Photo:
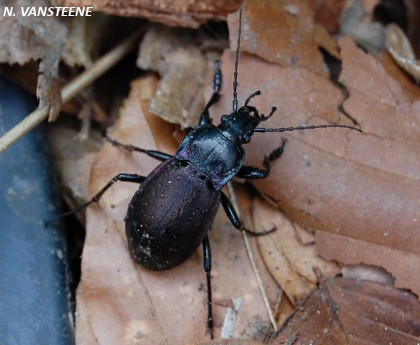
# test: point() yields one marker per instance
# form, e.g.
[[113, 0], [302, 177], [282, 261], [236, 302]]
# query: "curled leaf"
[[400, 48]]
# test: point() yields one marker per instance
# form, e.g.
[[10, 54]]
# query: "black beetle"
[[175, 205]]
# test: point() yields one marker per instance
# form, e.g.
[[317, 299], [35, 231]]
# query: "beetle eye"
[[246, 139]]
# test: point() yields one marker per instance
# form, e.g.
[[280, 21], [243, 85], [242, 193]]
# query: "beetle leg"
[[151, 153], [217, 83], [207, 269], [120, 177], [234, 219], [249, 172]]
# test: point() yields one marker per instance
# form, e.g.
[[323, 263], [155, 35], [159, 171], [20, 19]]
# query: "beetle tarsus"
[[257, 233], [207, 269], [217, 83], [123, 177], [249, 172]]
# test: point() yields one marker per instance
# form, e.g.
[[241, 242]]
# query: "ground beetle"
[[174, 208]]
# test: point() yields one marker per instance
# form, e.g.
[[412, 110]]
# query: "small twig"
[[252, 260], [71, 89]]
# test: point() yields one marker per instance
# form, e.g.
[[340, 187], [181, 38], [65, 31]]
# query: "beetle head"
[[239, 126]]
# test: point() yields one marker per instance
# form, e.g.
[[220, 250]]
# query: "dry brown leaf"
[[34, 38], [22, 50], [388, 231], [360, 187], [44, 42], [27, 40], [78, 43], [72, 159], [348, 311], [19, 46], [291, 263], [52, 34], [190, 13], [283, 32], [45, 39], [118, 301], [328, 12], [176, 54], [85, 39], [401, 50]]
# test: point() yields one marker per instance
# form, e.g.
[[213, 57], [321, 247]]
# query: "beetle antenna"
[[302, 128], [235, 73]]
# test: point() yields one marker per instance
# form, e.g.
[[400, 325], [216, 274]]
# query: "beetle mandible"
[[171, 213]]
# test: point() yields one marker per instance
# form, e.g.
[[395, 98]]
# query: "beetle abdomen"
[[170, 214]]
